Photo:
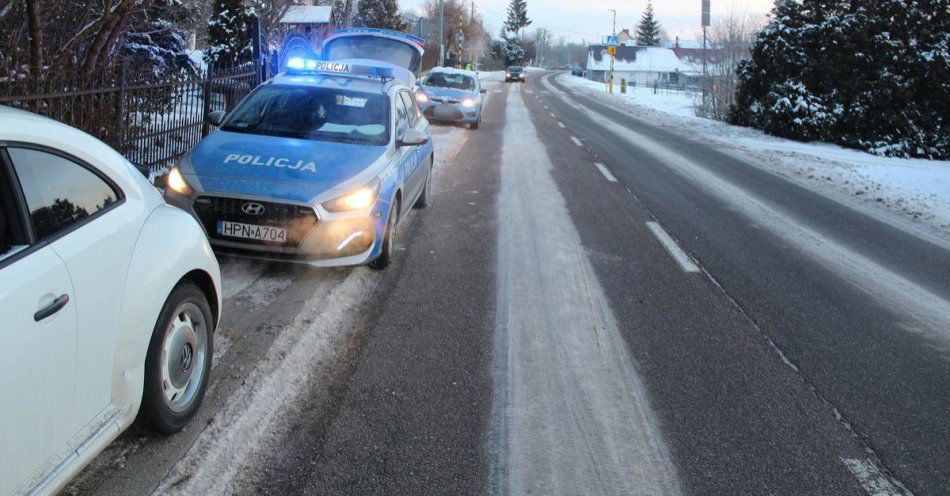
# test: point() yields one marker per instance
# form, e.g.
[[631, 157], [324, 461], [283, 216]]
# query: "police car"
[[317, 165]]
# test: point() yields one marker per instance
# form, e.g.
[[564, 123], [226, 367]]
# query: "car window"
[[410, 108], [321, 114], [402, 117], [59, 192], [451, 80]]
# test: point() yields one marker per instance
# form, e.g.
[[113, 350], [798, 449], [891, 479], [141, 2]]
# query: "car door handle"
[[52, 308]]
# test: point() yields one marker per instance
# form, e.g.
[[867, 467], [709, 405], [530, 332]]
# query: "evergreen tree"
[[648, 31], [870, 77], [382, 14], [155, 44], [229, 33], [517, 16]]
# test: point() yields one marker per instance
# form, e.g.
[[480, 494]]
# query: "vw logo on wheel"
[[253, 208]]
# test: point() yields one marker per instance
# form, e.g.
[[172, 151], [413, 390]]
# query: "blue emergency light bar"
[[299, 65]]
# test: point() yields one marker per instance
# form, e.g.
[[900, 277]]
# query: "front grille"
[[445, 100], [298, 220]]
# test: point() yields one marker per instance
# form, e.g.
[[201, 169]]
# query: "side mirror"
[[483, 91], [216, 118], [412, 137]]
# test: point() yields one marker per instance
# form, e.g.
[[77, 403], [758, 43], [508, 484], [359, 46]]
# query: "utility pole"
[[613, 32], [705, 19], [441, 34]]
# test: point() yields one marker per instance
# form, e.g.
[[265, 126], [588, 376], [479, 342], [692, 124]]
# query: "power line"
[[552, 28]]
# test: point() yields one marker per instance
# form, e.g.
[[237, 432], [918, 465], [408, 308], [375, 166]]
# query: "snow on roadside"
[[916, 189], [255, 409]]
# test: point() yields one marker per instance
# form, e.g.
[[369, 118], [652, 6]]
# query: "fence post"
[[206, 95], [123, 118]]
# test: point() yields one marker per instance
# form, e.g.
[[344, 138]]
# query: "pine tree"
[[874, 78], [648, 32], [517, 16], [229, 33], [382, 14], [155, 43]]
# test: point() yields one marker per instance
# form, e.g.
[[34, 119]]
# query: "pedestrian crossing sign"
[[613, 41]]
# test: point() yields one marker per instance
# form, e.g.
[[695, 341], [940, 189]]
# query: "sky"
[[590, 20]]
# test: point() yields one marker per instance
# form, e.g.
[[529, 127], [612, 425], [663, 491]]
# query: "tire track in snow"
[[571, 412]]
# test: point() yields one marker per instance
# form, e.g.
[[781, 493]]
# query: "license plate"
[[251, 231]]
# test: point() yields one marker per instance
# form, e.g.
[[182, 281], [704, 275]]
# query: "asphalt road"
[[593, 304]]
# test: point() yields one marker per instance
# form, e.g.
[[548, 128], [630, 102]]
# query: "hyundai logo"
[[253, 208]]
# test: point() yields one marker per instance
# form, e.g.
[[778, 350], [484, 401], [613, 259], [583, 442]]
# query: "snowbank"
[[914, 188]]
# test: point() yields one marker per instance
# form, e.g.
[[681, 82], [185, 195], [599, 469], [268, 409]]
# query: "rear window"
[[313, 113], [374, 48]]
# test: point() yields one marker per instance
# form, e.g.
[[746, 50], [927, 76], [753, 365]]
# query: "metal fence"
[[151, 123]]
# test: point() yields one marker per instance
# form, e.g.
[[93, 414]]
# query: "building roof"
[[637, 59], [308, 14]]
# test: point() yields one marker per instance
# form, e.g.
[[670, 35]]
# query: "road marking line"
[[561, 124], [552, 114], [546, 107], [603, 170], [870, 478], [529, 92], [576, 141], [672, 248], [497, 91]]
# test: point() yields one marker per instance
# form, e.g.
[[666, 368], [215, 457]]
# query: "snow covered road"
[[593, 304]]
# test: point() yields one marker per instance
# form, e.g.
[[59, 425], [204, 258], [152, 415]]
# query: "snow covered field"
[[914, 188]]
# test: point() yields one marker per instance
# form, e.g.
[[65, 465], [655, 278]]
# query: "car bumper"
[[451, 112], [316, 241]]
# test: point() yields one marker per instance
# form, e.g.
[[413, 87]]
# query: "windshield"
[[515, 69], [448, 80], [313, 113], [375, 48]]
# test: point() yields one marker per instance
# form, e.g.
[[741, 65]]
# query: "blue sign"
[[613, 41]]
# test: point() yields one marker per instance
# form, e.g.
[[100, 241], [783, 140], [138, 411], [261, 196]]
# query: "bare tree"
[[729, 39]]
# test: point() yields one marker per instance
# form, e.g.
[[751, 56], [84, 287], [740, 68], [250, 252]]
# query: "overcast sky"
[[589, 20]]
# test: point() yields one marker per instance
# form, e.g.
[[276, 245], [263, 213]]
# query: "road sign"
[[613, 41], [706, 10], [612, 51]]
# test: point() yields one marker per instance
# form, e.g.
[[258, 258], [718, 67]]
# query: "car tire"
[[475, 124], [424, 200], [390, 239], [179, 354]]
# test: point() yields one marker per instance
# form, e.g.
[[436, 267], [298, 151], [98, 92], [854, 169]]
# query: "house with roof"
[[315, 22], [642, 66]]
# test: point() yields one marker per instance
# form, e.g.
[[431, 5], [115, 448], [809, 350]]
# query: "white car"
[[109, 299]]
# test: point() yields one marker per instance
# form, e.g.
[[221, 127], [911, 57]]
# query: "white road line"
[[870, 478], [546, 107], [603, 170], [552, 114], [576, 141], [497, 91], [561, 124], [529, 92], [672, 248]]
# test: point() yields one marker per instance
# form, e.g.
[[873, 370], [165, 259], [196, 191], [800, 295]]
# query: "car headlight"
[[422, 97], [176, 182], [361, 199], [469, 102]]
